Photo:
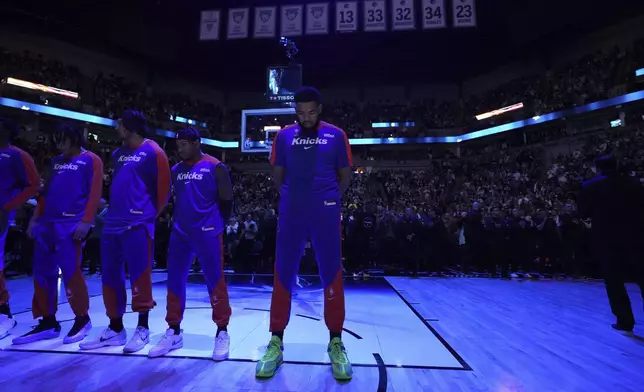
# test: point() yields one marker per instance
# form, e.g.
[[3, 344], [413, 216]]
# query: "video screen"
[[282, 82], [260, 130]]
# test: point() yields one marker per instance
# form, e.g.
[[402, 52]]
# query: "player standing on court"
[[312, 170], [19, 182], [60, 225], [203, 202], [139, 192]]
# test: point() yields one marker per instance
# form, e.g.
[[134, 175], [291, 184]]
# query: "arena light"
[[88, 118], [496, 112], [188, 121], [41, 87], [639, 72]]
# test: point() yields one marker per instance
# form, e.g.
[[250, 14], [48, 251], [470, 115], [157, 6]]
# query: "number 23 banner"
[[402, 15], [464, 13]]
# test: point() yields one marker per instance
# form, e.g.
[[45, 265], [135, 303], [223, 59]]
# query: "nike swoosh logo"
[[105, 340], [306, 148]]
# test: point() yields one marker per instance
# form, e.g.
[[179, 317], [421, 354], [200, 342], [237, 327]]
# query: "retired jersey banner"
[[265, 22], [403, 15], [464, 12], [291, 20], [238, 23], [433, 14], [317, 18], [209, 29], [375, 15], [346, 16]]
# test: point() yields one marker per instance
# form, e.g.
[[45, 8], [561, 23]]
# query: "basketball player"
[[203, 202], [60, 225], [138, 194], [615, 203], [312, 170], [19, 182]]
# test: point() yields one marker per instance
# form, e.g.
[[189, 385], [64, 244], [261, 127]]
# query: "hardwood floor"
[[516, 336]]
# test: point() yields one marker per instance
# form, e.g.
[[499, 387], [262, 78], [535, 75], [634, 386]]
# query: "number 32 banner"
[[403, 15], [464, 13]]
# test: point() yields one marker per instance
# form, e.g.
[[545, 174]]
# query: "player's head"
[[69, 137], [189, 144], [8, 131], [606, 165], [132, 123], [308, 106]]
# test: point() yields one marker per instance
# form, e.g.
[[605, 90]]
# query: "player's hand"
[[81, 231], [31, 226]]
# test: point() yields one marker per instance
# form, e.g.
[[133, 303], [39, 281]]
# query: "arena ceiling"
[[164, 33]]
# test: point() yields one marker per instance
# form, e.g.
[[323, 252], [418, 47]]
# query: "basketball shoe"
[[6, 324], [45, 330], [272, 359], [340, 365], [169, 342]]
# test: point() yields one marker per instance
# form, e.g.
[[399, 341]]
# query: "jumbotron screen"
[[282, 82], [259, 130]]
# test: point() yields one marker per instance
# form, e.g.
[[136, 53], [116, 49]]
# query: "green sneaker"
[[272, 359], [339, 360]]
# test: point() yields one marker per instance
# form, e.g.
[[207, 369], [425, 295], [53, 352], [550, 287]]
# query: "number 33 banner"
[[403, 15], [464, 13], [375, 17]]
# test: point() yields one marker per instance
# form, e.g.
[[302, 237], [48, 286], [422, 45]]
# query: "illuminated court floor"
[[380, 327]]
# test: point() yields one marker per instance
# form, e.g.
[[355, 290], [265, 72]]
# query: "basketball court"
[[381, 327]]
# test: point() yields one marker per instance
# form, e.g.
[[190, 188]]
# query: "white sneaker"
[[514, 275], [78, 332], [139, 340], [108, 337], [6, 325], [170, 341], [222, 346]]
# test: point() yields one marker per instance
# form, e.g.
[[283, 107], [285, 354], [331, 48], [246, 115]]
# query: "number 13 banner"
[[346, 16], [403, 17], [464, 13]]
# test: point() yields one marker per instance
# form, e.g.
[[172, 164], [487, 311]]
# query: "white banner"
[[403, 16], [375, 15], [291, 20], [433, 14], [238, 23], [464, 13], [346, 16], [265, 22], [209, 29], [317, 18]]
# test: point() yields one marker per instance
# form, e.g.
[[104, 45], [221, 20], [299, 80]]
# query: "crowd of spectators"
[[587, 79], [498, 209]]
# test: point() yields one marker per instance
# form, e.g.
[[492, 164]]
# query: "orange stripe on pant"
[[4, 293], [135, 247], [181, 252], [65, 255]]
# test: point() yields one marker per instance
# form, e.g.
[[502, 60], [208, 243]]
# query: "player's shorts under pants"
[[208, 247], [54, 248], [134, 246], [296, 225]]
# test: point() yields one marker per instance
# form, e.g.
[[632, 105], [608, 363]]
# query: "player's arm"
[[28, 175], [163, 179], [344, 163], [225, 188], [96, 189], [42, 196], [278, 161]]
